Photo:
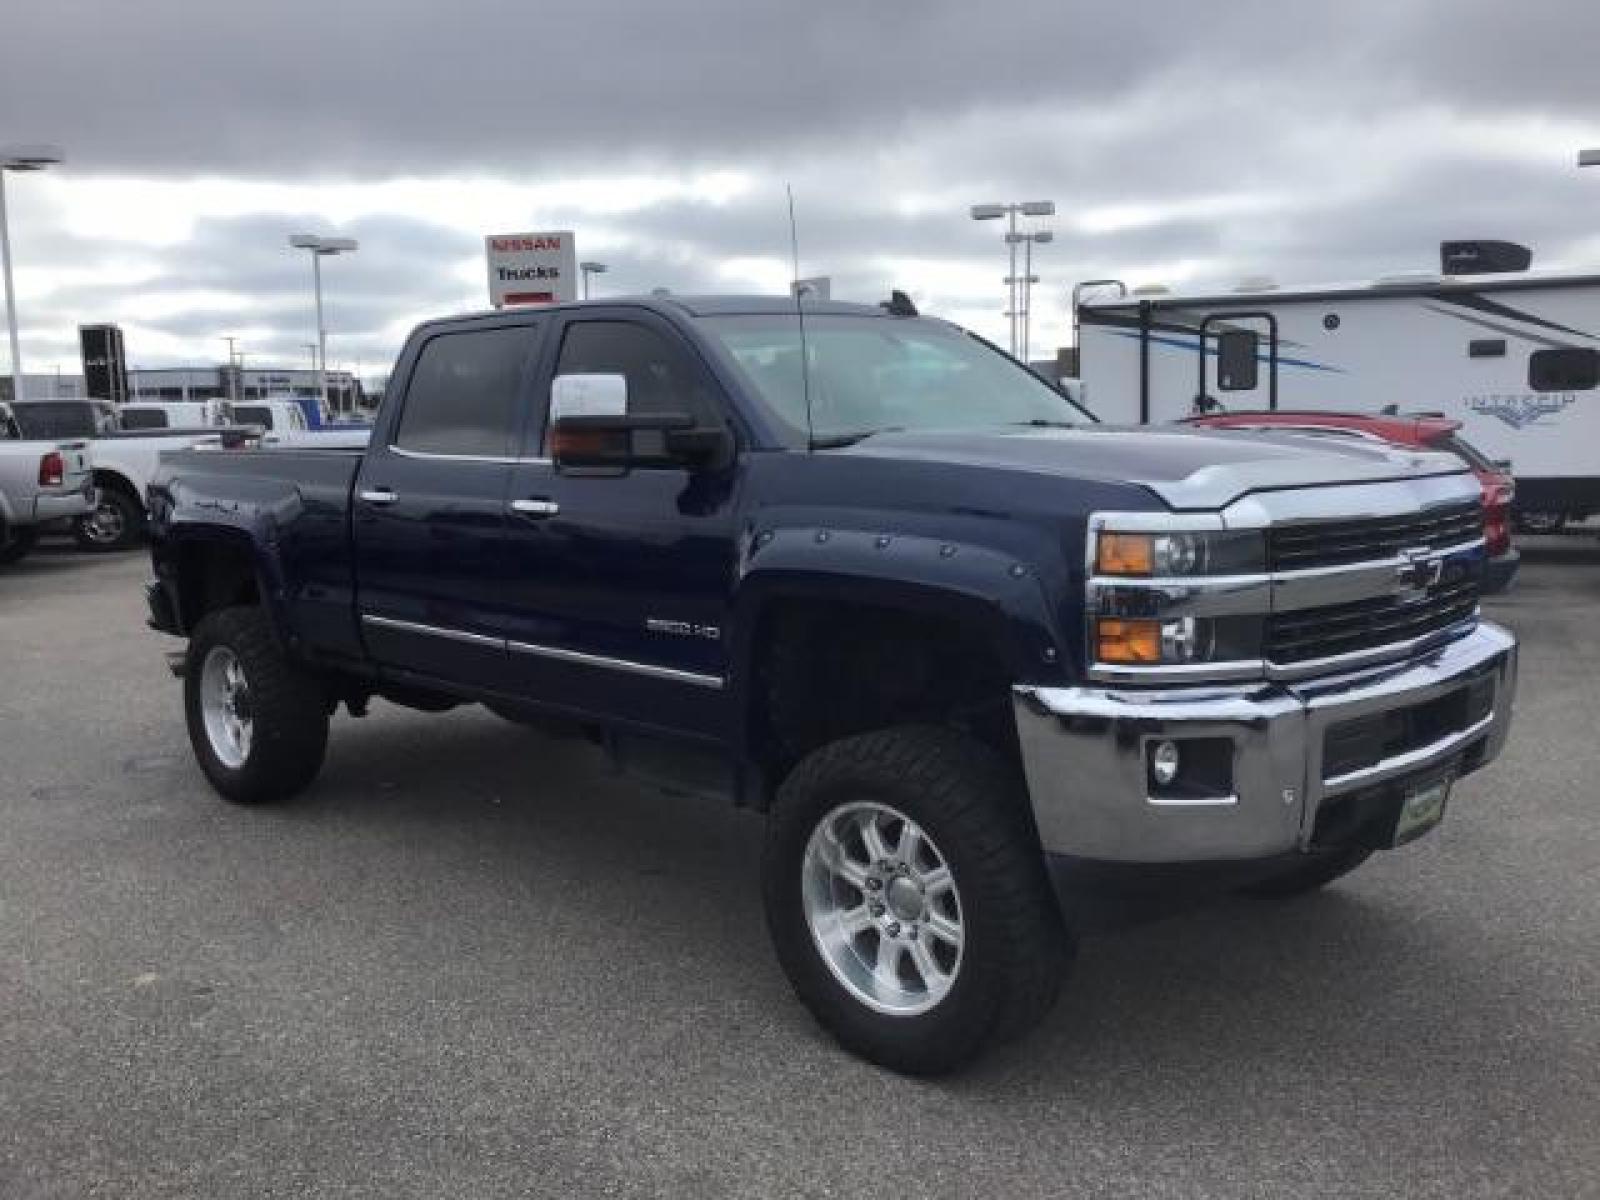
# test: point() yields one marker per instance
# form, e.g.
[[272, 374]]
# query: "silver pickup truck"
[[40, 481]]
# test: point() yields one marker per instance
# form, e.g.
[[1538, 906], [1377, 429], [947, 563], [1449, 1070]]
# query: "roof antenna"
[[800, 317]]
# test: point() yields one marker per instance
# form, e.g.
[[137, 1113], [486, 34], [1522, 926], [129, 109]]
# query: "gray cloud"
[[1304, 142]]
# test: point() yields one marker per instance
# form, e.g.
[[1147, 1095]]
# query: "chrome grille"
[[1340, 543], [1323, 632]]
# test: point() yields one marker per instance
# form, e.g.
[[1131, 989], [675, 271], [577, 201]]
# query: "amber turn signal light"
[[1118, 641], [1125, 554]]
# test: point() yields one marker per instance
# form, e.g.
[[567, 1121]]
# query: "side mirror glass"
[[1236, 360], [588, 396], [590, 426]]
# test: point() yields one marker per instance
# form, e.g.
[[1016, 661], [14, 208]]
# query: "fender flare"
[[248, 529], [974, 586]]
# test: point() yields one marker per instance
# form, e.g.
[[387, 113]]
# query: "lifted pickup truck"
[[973, 654]]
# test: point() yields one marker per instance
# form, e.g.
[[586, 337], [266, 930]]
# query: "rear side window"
[[144, 418], [462, 398], [1564, 369], [50, 419]]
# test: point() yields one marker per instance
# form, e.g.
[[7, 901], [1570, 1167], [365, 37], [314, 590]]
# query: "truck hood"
[[1186, 468]]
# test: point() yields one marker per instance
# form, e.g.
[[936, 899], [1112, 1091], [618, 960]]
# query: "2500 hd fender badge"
[[711, 633]]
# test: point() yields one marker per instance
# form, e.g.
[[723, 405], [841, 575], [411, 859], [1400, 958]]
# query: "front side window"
[[253, 414], [867, 374], [462, 398], [661, 376]]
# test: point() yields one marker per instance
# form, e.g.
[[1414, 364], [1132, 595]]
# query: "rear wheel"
[[258, 724], [16, 542], [907, 900], [115, 523], [1540, 521], [1318, 870]]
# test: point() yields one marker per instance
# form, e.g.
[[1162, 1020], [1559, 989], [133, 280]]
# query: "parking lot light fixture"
[[992, 212], [319, 248], [17, 158], [1589, 157]]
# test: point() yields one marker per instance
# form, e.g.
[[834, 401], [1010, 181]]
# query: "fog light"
[[1164, 763]]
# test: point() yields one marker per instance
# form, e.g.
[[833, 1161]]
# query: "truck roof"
[[1406, 283], [696, 306]]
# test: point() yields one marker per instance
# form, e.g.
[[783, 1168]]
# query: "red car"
[[1415, 431]]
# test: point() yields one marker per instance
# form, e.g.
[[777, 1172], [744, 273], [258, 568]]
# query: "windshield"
[[48, 419], [870, 374]]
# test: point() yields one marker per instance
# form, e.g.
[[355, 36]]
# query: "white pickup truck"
[[40, 481], [122, 462]]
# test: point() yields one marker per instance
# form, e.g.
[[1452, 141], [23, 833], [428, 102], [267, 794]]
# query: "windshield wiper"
[[1046, 423]]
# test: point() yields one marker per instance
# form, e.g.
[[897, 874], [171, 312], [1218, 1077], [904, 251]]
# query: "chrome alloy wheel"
[[225, 707], [105, 525], [883, 908]]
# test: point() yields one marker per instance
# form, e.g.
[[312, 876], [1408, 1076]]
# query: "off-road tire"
[[1318, 870], [973, 807], [288, 711]]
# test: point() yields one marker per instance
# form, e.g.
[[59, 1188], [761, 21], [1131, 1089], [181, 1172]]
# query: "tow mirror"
[[590, 426]]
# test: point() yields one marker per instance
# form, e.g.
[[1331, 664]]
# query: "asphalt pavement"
[[473, 963]]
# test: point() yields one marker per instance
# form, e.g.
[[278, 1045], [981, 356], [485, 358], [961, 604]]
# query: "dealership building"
[[345, 393], [225, 383]]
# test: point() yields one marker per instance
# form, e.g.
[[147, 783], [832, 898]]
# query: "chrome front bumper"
[[1085, 752]]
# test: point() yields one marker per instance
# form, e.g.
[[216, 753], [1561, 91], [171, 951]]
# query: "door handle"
[[537, 509], [380, 495]]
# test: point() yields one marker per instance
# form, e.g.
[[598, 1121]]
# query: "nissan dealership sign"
[[532, 268]]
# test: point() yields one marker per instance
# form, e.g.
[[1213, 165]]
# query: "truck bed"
[[295, 498]]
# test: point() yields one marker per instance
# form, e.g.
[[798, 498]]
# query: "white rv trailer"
[[1514, 356]]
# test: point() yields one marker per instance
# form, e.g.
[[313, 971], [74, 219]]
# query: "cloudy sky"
[[1181, 143]]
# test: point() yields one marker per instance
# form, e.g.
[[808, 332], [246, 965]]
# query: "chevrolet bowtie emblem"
[[1419, 572]]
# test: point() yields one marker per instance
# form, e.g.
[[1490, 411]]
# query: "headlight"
[[1178, 554]]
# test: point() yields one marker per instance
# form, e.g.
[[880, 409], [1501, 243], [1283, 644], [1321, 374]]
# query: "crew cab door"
[[429, 511], [620, 581]]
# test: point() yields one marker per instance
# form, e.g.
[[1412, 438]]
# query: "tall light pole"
[[588, 269], [991, 212], [17, 158], [232, 396], [1026, 281], [320, 247]]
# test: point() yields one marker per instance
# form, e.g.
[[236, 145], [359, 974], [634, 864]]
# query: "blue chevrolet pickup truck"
[[975, 656]]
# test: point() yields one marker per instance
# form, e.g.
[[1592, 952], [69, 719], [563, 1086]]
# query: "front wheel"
[[907, 900], [258, 724]]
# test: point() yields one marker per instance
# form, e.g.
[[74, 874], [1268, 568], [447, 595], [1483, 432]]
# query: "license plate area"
[[1387, 814], [1421, 808]]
